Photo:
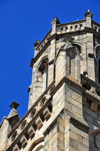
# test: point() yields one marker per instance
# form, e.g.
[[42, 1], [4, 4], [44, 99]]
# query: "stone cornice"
[[29, 124], [74, 22], [43, 94], [50, 126], [84, 31], [72, 33], [72, 119], [67, 80], [52, 37], [70, 81], [90, 83]]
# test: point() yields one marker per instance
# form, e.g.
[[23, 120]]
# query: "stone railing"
[[33, 120], [70, 27], [96, 26], [91, 94]]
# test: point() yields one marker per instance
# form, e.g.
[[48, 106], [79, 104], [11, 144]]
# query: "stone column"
[[90, 59], [88, 16], [53, 51]]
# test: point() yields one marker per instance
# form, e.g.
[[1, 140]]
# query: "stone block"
[[16, 148], [23, 141], [39, 122], [46, 113], [31, 132]]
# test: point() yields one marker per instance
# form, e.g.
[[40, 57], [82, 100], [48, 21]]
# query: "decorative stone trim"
[[46, 113], [39, 122], [24, 123], [23, 141], [31, 132], [16, 148], [28, 112], [90, 85], [94, 106]]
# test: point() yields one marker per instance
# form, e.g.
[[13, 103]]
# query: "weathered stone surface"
[[64, 96]]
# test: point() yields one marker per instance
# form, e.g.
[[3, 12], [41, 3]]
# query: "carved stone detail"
[[23, 141], [31, 132], [93, 90], [94, 106], [39, 122], [16, 148], [46, 113]]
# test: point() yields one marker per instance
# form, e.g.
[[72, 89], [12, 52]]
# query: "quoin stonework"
[[64, 96]]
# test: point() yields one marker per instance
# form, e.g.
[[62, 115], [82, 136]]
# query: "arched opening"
[[43, 68], [37, 145]]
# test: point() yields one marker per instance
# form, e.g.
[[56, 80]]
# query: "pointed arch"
[[37, 144]]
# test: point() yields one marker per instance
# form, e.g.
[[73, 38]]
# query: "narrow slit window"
[[45, 78]]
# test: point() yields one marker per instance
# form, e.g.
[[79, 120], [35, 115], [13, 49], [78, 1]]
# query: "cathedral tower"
[[64, 104]]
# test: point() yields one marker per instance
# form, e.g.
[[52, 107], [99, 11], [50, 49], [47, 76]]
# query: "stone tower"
[[64, 104]]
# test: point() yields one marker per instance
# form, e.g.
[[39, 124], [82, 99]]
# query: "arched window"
[[44, 70]]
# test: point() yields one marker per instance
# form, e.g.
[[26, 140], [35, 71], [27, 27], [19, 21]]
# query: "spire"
[[14, 105], [13, 111], [88, 14], [13, 116]]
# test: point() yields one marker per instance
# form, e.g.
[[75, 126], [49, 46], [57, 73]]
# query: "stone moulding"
[[46, 113], [31, 132], [42, 95], [16, 148], [64, 80], [23, 141], [29, 124], [77, 32], [72, 119], [39, 122]]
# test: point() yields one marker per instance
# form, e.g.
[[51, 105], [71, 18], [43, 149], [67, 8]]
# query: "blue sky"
[[22, 22]]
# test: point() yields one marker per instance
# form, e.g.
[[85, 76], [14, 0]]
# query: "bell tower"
[[64, 96]]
